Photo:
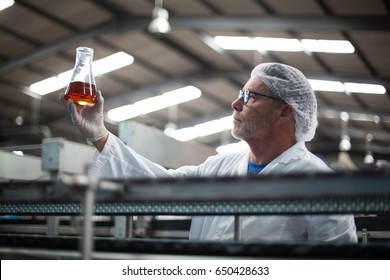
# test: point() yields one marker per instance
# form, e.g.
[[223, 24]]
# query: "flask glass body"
[[82, 86]]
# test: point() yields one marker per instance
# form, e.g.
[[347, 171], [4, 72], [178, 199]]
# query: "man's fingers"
[[61, 97], [69, 105], [72, 109], [99, 97]]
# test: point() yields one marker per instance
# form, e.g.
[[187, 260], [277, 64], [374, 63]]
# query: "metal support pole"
[[365, 235], [88, 211], [120, 226], [52, 225], [140, 226], [237, 227], [130, 226]]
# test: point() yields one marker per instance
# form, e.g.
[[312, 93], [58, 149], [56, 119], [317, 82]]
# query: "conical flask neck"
[[84, 56]]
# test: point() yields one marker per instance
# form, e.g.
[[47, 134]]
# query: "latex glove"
[[89, 120]]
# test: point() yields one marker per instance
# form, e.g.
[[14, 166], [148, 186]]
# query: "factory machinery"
[[53, 207]]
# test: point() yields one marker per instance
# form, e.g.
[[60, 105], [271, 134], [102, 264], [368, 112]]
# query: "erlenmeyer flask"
[[82, 86]]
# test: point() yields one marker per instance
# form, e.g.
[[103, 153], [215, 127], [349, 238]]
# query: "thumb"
[[61, 96], [99, 97], [71, 107]]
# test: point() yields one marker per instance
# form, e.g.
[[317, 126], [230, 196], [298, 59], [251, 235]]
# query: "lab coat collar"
[[296, 152]]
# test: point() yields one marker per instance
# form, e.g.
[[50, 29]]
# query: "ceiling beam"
[[338, 23], [58, 46], [121, 24]]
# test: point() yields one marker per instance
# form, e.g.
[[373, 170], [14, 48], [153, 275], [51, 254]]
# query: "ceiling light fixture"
[[345, 140], [159, 23], [47, 85], [328, 46], [101, 66], [203, 129], [263, 44], [369, 157], [324, 85], [364, 88], [336, 86], [156, 103], [235, 43], [111, 63], [4, 4], [233, 147]]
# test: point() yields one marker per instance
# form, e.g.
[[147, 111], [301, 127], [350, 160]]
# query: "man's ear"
[[287, 111]]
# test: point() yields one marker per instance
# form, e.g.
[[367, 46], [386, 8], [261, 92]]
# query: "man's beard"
[[247, 129]]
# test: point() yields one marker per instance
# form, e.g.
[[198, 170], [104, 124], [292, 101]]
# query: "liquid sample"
[[81, 93]]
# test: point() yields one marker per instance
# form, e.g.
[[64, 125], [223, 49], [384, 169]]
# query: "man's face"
[[256, 119]]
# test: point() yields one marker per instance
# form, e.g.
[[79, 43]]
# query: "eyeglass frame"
[[245, 95]]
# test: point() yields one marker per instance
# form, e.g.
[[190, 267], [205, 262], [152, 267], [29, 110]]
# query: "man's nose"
[[237, 104]]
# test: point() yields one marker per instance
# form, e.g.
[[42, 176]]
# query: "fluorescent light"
[[111, 63], [47, 85], [277, 44], [184, 134], [182, 95], [283, 44], [258, 43], [336, 86], [156, 103], [215, 126], [203, 129], [65, 76], [167, 99], [323, 85], [365, 88], [123, 113], [233, 147], [328, 46], [101, 66], [18, 153], [151, 104], [4, 4], [235, 42]]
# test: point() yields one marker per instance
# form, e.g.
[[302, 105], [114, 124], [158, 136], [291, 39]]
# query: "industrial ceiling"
[[38, 39]]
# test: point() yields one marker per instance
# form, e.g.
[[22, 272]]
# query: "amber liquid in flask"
[[81, 93], [82, 86]]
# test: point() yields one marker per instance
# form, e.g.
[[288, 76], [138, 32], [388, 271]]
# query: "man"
[[275, 113]]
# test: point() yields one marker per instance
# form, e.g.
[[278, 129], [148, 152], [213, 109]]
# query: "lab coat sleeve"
[[117, 160], [332, 228], [120, 161]]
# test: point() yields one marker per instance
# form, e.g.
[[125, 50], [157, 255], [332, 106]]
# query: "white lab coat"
[[119, 161]]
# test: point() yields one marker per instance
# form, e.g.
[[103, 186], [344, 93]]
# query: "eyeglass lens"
[[244, 95]]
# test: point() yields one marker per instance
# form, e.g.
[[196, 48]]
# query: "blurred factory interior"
[[209, 47], [39, 39]]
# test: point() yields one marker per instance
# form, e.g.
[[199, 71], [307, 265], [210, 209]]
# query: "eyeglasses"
[[246, 94]]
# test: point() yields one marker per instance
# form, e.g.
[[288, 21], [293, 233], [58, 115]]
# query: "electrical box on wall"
[[62, 155]]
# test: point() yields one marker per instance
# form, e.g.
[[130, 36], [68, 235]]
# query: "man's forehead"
[[255, 83]]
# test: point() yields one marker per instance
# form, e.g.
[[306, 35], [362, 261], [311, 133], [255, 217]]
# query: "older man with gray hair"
[[275, 114]]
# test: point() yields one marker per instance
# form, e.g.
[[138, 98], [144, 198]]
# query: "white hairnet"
[[289, 84]]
